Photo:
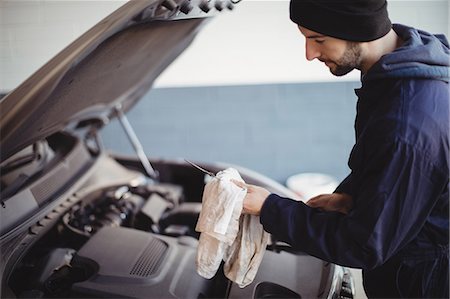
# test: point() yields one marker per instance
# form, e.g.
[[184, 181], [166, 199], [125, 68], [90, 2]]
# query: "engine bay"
[[118, 240], [119, 233]]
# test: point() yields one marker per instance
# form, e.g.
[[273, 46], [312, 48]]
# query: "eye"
[[319, 41]]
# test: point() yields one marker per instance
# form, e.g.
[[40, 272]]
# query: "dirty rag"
[[226, 235]]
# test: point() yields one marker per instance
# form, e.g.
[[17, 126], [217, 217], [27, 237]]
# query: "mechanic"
[[390, 215]]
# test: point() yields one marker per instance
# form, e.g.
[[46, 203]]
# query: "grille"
[[150, 260]]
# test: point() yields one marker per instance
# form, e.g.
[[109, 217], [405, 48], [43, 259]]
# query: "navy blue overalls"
[[398, 229]]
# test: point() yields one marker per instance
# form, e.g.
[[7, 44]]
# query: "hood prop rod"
[[135, 143]]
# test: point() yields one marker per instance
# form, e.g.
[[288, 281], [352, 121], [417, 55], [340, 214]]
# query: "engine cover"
[[134, 263]]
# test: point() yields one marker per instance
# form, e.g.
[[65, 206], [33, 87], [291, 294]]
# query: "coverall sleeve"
[[345, 185], [396, 193]]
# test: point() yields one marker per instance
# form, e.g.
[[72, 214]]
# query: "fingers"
[[316, 201], [315, 204], [332, 202], [312, 203]]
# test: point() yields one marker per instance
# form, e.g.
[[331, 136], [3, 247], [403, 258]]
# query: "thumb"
[[239, 183]]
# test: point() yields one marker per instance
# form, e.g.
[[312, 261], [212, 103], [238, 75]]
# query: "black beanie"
[[352, 20]]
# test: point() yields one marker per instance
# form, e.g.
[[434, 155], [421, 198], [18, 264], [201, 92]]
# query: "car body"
[[77, 221]]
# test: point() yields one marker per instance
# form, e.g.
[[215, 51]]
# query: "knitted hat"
[[352, 20]]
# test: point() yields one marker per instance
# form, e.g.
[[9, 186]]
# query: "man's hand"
[[338, 202], [255, 198]]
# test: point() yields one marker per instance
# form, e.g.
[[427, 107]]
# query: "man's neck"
[[374, 50]]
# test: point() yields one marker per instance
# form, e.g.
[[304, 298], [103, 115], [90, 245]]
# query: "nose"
[[311, 50]]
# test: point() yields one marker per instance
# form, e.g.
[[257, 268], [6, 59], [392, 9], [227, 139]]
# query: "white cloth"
[[243, 258], [226, 235]]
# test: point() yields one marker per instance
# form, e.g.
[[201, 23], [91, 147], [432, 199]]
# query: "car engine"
[[119, 233], [119, 241]]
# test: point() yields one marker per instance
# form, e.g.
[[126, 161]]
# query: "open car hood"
[[109, 67]]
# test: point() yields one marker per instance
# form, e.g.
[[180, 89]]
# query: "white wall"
[[255, 43]]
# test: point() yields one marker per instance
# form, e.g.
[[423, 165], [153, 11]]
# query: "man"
[[390, 216]]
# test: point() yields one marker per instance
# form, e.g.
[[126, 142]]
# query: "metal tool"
[[201, 169]]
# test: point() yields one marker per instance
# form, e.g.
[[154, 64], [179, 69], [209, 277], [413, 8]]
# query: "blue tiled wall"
[[278, 130]]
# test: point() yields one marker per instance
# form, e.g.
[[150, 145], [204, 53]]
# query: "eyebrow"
[[316, 36]]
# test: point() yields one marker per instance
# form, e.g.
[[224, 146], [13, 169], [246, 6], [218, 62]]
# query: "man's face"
[[340, 56]]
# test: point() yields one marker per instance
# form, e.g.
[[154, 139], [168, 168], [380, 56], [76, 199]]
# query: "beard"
[[350, 60]]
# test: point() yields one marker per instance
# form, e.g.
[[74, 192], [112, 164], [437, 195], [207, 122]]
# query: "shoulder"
[[412, 112], [411, 103]]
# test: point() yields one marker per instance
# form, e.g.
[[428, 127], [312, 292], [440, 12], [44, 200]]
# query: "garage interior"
[[242, 94]]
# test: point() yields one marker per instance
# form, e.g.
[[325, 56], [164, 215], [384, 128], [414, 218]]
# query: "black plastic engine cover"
[[134, 263]]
